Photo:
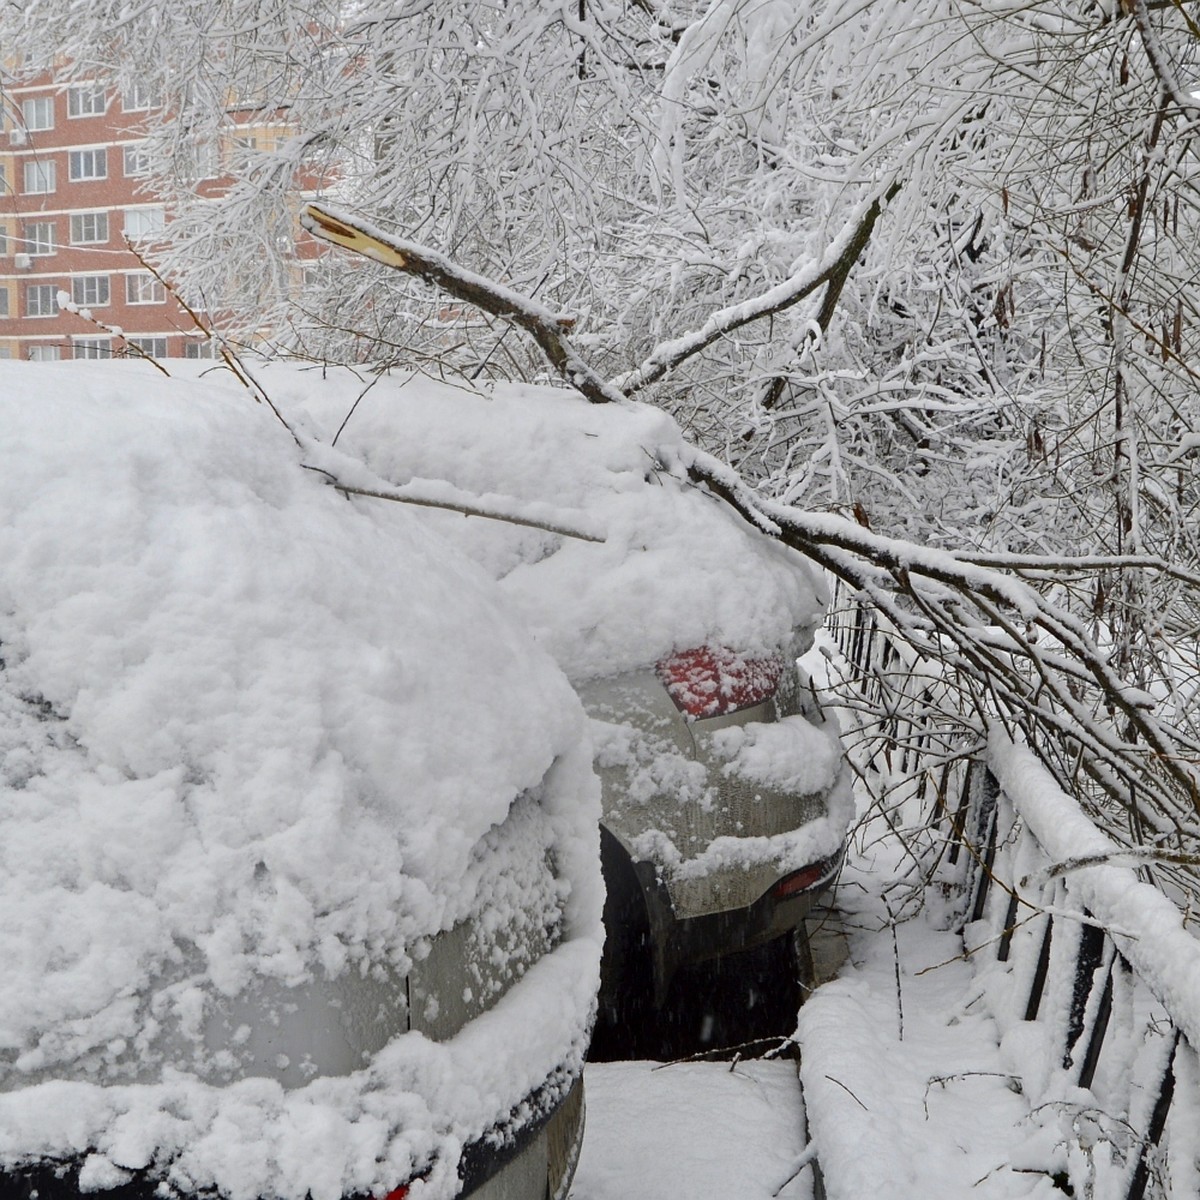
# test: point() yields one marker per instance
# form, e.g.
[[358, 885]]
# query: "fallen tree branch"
[[547, 328], [1045, 675], [478, 508]]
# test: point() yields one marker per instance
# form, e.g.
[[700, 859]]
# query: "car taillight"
[[710, 681], [397, 1193], [806, 878]]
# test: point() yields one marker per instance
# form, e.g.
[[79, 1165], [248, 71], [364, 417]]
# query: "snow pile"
[[789, 755], [249, 730], [700, 1130], [906, 1088], [676, 568]]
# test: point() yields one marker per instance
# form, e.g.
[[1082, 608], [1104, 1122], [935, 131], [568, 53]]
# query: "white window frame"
[[45, 352], [137, 98], [86, 100], [4, 304], [198, 349], [137, 154], [37, 113], [101, 285], [142, 288], [154, 218], [35, 243], [40, 290], [154, 345], [94, 157], [93, 347], [41, 172], [98, 217]]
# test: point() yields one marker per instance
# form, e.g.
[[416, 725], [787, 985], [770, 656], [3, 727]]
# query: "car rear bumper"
[[677, 942]]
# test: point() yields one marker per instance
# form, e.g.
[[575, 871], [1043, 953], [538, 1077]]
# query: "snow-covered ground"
[[903, 1076], [692, 1130]]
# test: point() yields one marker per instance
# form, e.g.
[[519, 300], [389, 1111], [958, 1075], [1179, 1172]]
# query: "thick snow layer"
[[692, 1131], [676, 568], [251, 730], [905, 1086]]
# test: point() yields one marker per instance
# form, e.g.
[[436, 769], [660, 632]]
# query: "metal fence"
[[1124, 1081]]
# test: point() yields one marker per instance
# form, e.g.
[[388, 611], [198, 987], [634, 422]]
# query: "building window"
[[85, 100], [137, 161], [4, 247], [138, 98], [90, 291], [142, 288], [89, 228], [3, 302], [205, 349], [144, 222], [38, 113], [41, 300], [39, 176], [88, 164], [199, 160], [39, 237], [91, 347], [45, 353], [154, 347]]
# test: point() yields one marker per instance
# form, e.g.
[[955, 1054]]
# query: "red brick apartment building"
[[73, 171]]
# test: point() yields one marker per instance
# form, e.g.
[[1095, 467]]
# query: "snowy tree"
[[927, 264]]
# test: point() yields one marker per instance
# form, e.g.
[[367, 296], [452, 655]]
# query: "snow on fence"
[[1087, 966]]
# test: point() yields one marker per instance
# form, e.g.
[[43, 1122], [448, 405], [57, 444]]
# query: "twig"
[[848, 1092], [806, 1156], [467, 510]]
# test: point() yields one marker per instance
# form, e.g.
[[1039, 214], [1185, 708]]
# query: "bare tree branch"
[[1161, 63]]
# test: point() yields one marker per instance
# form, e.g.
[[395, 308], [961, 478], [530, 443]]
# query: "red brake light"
[[710, 681], [806, 878], [397, 1193]]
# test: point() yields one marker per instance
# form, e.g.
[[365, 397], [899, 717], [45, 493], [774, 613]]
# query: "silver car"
[[708, 847], [292, 905], [725, 803]]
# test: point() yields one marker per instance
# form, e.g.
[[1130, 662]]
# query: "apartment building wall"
[[73, 186]]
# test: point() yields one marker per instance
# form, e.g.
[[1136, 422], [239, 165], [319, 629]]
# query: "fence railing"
[[1078, 940]]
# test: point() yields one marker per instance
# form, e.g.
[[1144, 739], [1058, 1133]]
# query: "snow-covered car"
[[726, 801], [299, 870]]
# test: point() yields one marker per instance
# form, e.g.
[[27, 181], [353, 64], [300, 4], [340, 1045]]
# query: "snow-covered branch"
[[547, 328], [1036, 675], [832, 269]]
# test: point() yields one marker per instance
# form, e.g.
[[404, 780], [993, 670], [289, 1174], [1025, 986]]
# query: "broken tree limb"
[[545, 326], [1019, 658]]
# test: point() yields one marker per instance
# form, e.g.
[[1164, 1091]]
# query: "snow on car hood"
[[244, 717], [675, 569]]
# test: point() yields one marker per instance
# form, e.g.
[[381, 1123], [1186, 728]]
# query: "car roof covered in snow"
[[243, 716], [675, 567]]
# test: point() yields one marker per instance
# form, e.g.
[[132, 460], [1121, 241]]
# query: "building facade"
[[74, 196]]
